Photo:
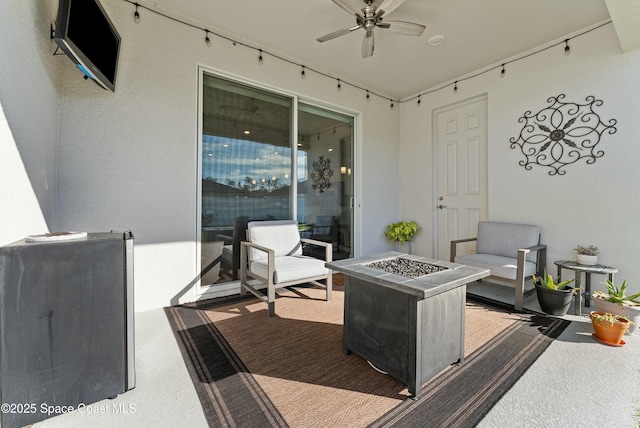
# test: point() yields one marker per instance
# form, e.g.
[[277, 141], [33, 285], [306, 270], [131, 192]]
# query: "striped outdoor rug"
[[250, 370]]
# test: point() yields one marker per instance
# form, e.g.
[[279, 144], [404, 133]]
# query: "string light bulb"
[[302, 74], [418, 99], [136, 15], [567, 49], [260, 60], [339, 85], [368, 96], [455, 87], [503, 71], [391, 103], [207, 40]]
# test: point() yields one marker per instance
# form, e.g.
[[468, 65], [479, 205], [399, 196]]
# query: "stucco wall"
[[28, 121], [595, 204], [128, 159]]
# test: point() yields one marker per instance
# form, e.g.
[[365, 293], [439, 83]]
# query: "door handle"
[[440, 207]]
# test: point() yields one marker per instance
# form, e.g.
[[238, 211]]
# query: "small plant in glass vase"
[[402, 232], [615, 301], [586, 255]]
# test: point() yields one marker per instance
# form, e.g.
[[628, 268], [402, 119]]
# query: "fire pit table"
[[405, 313]]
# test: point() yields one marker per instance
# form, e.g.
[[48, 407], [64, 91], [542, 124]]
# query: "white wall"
[[28, 121], [595, 204], [128, 159]]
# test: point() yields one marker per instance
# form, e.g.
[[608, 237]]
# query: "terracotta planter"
[[607, 332], [631, 312], [554, 302]]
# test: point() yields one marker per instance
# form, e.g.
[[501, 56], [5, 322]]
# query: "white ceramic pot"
[[631, 312], [584, 259]]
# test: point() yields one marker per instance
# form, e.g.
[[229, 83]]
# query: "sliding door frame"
[[233, 287]]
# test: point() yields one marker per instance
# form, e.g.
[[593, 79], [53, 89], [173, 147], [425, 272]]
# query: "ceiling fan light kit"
[[369, 17]]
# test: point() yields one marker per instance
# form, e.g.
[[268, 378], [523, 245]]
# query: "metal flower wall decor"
[[561, 134], [321, 173]]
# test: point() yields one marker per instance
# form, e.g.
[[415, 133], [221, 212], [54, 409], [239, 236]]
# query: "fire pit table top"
[[409, 273]]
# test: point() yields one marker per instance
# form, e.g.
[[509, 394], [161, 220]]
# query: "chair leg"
[[329, 283], [519, 285], [271, 297], [272, 308]]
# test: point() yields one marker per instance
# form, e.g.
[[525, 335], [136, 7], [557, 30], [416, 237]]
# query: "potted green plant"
[[402, 232], [586, 255], [609, 328], [554, 297], [616, 301]]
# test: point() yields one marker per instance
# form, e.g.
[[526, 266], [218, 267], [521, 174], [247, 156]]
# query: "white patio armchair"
[[511, 251], [271, 258]]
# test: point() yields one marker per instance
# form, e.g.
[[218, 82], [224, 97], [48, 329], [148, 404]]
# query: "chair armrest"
[[258, 247], [328, 247], [454, 245], [535, 248], [314, 242], [541, 261], [244, 259]]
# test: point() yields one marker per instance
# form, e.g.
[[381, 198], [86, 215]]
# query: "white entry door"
[[461, 172]]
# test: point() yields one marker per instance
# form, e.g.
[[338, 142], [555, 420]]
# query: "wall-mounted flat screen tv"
[[87, 35]]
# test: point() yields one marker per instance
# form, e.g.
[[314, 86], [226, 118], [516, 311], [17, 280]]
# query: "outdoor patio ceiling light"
[[436, 40]]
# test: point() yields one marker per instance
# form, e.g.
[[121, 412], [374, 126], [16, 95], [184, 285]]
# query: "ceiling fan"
[[369, 17]]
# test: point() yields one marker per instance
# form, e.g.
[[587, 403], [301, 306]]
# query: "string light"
[[136, 15], [567, 51], [207, 40], [391, 103]]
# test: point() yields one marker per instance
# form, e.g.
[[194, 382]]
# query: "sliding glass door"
[[325, 195], [253, 168]]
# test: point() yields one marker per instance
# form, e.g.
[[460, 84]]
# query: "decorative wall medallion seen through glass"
[[321, 173]]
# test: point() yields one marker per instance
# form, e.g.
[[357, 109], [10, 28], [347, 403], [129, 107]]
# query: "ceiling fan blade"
[[351, 6], [387, 6], [337, 33], [403, 27], [368, 43]]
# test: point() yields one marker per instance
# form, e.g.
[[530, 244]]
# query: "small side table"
[[587, 270]]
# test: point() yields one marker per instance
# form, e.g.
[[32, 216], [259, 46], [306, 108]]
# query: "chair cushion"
[[505, 239], [503, 267], [282, 236], [290, 268]]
